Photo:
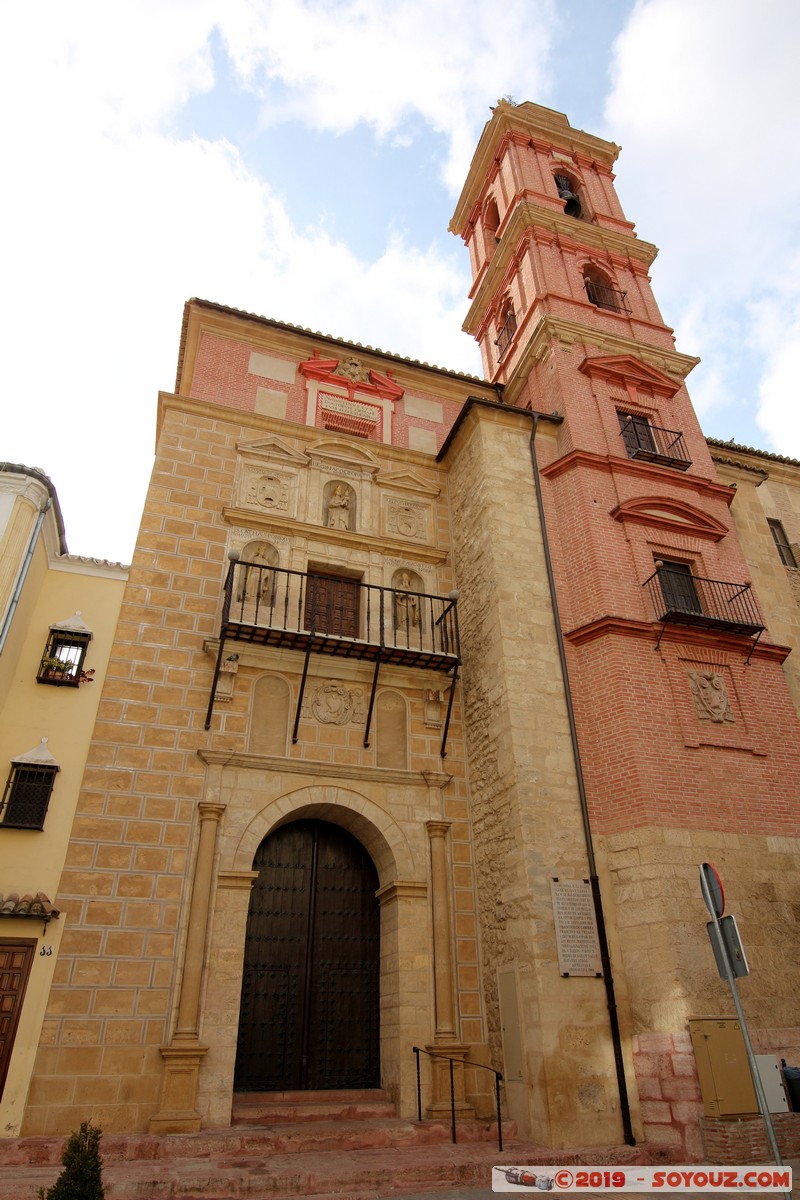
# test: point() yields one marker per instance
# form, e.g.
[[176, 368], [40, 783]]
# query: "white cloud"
[[706, 106], [336, 65], [114, 223]]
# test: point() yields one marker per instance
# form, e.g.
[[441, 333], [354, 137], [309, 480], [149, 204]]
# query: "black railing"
[[655, 444], [602, 295], [417, 1050], [341, 616], [678, 596], [505, 335]]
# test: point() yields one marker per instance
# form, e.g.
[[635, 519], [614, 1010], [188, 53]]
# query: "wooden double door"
[[309, 1016]]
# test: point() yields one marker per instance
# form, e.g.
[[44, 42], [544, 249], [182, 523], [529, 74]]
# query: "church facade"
[[428, 696]]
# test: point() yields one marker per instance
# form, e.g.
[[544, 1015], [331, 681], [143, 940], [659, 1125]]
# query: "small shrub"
[[81, 1178]]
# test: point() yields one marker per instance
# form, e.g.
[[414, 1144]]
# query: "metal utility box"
[[725, 1082]]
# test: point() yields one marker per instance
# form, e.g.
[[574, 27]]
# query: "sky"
[[301, 159]]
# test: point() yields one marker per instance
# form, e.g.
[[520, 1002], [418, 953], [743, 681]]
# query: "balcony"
[[342, 617], [679, 597], [651, 443], [602, 295], [507, 331]]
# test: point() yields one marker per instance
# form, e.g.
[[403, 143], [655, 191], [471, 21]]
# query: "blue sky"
[[302, 159]]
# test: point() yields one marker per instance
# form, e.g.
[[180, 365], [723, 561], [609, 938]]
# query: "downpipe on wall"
[[605, 957]]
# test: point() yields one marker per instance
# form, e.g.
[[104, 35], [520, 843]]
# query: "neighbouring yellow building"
[[59, 613]]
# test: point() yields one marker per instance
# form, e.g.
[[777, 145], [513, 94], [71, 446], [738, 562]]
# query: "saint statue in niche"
[[710, 697], [255, 579], [339, 508], [406, 607]]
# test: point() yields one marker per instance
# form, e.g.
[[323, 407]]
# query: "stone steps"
[[218, 1165], [270, 1108]]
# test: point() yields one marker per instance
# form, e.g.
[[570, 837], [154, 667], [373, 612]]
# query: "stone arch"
[[374, 828]]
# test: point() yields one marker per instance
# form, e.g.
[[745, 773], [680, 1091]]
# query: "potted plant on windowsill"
[[56, 669]]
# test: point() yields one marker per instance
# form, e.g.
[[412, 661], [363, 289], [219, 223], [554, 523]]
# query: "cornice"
[[527, 219], [292, 766], [697, 484], [386, 546], [610, 626], [568, 333]]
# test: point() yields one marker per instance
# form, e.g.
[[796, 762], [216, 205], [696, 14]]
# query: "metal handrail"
[[602, 295], [507, 331], [267, 597], [417, 1050], [655, 441]]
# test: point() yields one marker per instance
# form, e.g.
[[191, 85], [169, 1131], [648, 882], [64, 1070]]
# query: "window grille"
[[782, 543], [27, 795], [65, 653]]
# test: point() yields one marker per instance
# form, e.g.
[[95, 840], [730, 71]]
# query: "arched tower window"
[[491, 224], [567, 190], [506, 326], [601, 292]]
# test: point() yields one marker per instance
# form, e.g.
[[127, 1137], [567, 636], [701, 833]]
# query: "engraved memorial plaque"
[[576, 929]]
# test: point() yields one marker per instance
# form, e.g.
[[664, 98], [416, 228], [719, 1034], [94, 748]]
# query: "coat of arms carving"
[[406, 520], [267, 490], [711, 699]]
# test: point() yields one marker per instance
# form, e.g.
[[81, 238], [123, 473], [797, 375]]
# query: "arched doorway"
[[309, 1016]]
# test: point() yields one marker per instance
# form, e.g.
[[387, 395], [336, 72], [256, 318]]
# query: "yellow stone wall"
[[31, 861]]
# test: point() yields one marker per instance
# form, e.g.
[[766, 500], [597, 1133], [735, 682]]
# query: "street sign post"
[[725, 951]]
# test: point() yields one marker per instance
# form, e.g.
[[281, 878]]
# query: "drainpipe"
[[12, 608], [605, 956]]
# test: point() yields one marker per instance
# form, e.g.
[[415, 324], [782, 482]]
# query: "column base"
[[440, 1107], [178, 1110]]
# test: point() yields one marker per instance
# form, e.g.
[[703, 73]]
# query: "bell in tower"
[[572, 205]]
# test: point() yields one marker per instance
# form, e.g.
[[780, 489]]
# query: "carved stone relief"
[[711, 700], [260, 554], [352, 368], [228, 669], [339, 505], [267, 490], [407, 615], [335, 704], [434, 708], [406, 519]]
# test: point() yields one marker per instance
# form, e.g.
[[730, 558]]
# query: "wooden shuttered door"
[[15, 966], [309, 1016], [332, 604]]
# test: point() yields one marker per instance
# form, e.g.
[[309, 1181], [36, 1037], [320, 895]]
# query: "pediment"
[[673, 515], [271, 449], [626, 369], [350, 372], [407, 481], [337, 453]]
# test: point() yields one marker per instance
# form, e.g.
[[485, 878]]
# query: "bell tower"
[[683, 720]]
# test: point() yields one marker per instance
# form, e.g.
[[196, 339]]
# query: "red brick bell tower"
[[689, 742]]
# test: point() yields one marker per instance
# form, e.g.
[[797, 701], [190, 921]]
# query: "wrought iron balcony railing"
[[654, 444], [339, 616], [604, 296], [506, 334], [679, 597]]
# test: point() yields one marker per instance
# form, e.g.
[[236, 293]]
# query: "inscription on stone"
[[576, 929]]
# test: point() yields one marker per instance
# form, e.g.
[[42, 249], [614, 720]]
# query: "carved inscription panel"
[[576, 929]]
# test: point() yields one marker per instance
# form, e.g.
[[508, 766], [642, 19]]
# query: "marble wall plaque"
[[576, 929]]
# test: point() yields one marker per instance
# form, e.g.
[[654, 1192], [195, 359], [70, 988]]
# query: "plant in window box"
[[55, 668]]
